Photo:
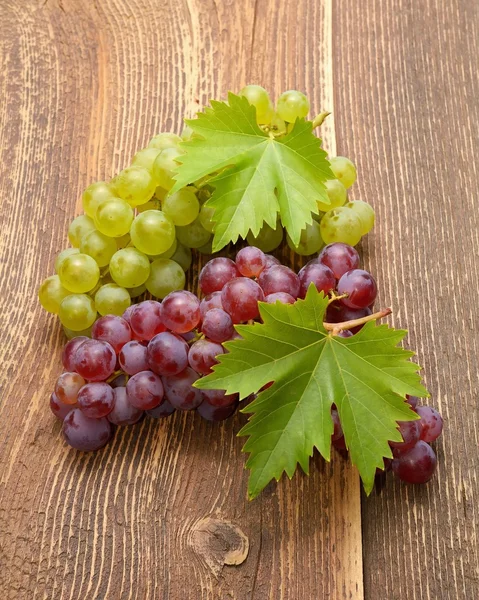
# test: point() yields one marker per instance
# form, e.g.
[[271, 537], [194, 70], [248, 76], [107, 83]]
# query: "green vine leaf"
[[367, 376]]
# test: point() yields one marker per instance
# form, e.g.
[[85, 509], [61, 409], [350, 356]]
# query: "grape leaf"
[[257, 176], [366, 376]]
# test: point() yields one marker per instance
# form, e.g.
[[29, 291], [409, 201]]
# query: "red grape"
[[360, 287], [145, 390], [410, 431], [279, 278], [96, 400], [219, 398], [133, 357], [164, 410], [216, 273], [86, 434], [95, 360], [340, 258], [146, 321], [282, 297], [316, 273], [217, 325], [431, 423], [69, 351], [250, 261], [180, 311], [416, 465], [202, 356], [112, 329], [216, 413], [211, 301], [240, 299], [123, 413], [180, 392], [67, 387], [60, 409], [167, 354]]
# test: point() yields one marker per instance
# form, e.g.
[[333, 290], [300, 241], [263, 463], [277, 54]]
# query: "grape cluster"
[[133, 237], [341, 220]]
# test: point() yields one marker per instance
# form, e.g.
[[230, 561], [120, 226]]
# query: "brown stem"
[[337, 327], [334, 297]]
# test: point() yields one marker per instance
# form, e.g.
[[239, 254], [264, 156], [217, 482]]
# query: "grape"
[[119, 381], [123, 412], [250, 261], [123, 241], [79, 273], [219, 398], [417, 465], [79, 227], [209, 302], [112, 329], [154, 204], [129, 267], [182, 256], [94, 195], [216, 413], [282, 297], [270, 260], [337, 195], [51, 294], [67, 387], [86, 434], [168, 253], [146, 320], [127, 314], [338, 313], [137, 291], [431, 423], [217, 325], [340, 258], [338, 430], [145, 158], [114, 218], [205, 218], [166, 276], [182, 207], [193, 235], [152, 232], [167, 354], [77, 312], [95, 360], [258, 97], [344, 170], [360, 287], [365, 214], [179, 390], [112, 299], [69, 350], [164, 167], [164, 140], [216, 273], [62, 255], [133, 358], [207, 248], [411, 432], [240, 298], [135, 185], [266, 118], [164, 410], [319, 274], [145, 390], [292, 105], [96, 400], [60, 409], [267, 239], [340, 225], [180, 311], [345, 333], [279, 278], [340, 444], [310, 240], [99, 246], [412, 401]]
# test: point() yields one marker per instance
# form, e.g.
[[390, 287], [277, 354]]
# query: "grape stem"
[[335, 328], [334, 297], [319, 119]]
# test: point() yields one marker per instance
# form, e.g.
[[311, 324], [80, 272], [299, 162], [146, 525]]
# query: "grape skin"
[[123, 412], [360, 287], [180, 311], [217, 325], [202, 356], [145, 390], [112, 329], [279, 278], [216, 273], [96, 400], [167, 354], [95, 360], [133, 357], [240, 298], [86, 434], [69, 351], [180, 392]]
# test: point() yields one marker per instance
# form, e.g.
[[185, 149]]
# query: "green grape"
[[278, 124], [160, 194], [152, 232], [63, 254], [137, 291], [111, 299], [167, 254], [123, 241], [204, 194], [182, 207], [341, 225], [166, 276], [154, 204], [164, 167], [309, 242], [51, 293], [268, 238], [267, 117], [318, 217], [292, 105], [337, 195], [182, 256], [193, 235], [145, 158], [164, 140], [344, 170], [206, 218], [365, 213], [114, 217], [207, 248], [99, 246], [77, 312], [94, 195], [79, 273], [135, 185], [129, 267], [258, 97], [79, 227], [187, 133], [70, 334]]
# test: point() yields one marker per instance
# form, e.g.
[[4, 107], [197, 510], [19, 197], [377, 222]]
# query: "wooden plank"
[[407, 92], [83, 86]]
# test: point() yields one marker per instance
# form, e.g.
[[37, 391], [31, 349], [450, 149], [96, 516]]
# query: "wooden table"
[[84, 84]]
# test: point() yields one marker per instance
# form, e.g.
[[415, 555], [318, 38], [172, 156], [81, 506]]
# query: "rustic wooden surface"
[[83, 85]]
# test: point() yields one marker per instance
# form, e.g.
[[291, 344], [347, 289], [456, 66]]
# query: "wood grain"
[[84, 84]]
